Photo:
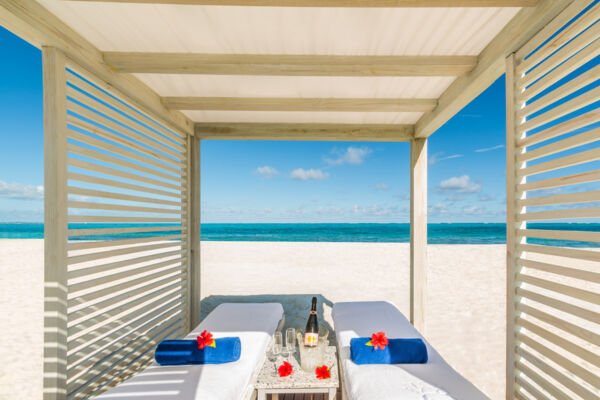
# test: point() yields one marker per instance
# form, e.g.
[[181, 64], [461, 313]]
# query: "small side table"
[[300, 381]]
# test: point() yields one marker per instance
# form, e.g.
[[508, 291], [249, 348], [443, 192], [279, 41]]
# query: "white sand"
[[465, 303]]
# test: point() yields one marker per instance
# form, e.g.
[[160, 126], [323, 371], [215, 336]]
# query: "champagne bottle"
[[311, 333]]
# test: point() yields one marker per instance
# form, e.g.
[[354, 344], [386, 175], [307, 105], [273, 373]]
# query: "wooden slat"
[[562, 361], [568, 327], [118, 252], [560, 270], [529, 388], [577, 311], [118, 219], [582, 177], [581, 294], [578, 60], [584, 236], [72, 162], [570, 87], [304, 131], [560, 341], [73, 176], [561, 251], [289, 65], [121, 151], [565, 108], [562, 162], [418, 232], [339, 3], [565, 52], [592, 212], [569, 198], [113, 231], [95, 269], [299, 104], [562, 145], [112, 243], [171, 138], [491, 63], [554, 35], [120, 196], [570, 125], [98, 156], [558, 376], [541, 381]]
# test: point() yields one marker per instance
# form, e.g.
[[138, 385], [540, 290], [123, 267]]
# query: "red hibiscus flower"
[[205, 339], [285, 369], [323, 372], [378, 340]]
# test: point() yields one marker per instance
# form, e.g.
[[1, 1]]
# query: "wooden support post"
[[418, 231], [194, 231], [55, 225]]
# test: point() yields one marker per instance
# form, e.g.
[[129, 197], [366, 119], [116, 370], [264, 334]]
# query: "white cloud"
[[382, 186], [266, 171], [351, 155], [437, 209], [487, 197], [473, 210], [459, 184], [437, 157], [500, 146], [310, 174], [19, 191]]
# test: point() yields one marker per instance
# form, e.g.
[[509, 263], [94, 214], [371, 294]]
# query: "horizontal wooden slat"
[[560, 341], [100, 144], [95, 155], [560, 270], [578, 60], [299, 104], [118, 219], [112, 243], [73, 176], [581, 101], [560, 360], [289, 65], [589, 255], [562, 54], [568, 198], [581, 294], [541, 381], [339, 3], [122, 174], [570, 87], [119, 252], [94, 269], [532, 390], [544, 45], [577, 311], [552, 372], [582, 177], [177, 139], [592, 212], [562, 145], [568, 327], [570, 125], [119, 196], [583, 236], [119, 207], [113, 231], [302, 131], [562, 162]]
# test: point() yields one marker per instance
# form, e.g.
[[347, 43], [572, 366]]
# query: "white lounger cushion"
[[253, 323], [431, 381]]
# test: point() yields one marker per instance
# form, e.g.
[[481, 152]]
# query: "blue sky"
[[283, 181]]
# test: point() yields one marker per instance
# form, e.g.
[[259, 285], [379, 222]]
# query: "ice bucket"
[[312, 357]]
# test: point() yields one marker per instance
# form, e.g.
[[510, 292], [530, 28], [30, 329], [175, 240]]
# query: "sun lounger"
[[253, 323], [435, 380]]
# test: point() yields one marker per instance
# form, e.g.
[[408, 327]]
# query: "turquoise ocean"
[[450, 233]]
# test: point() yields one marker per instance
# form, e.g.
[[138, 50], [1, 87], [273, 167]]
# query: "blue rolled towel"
[[181, 352], [398, 351]]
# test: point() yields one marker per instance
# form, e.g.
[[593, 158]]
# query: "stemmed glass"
[[277, 343], [274, 352], [290, 341]]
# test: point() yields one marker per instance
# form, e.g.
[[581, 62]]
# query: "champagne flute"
[[277, 343], [290, 341], [272, 356]]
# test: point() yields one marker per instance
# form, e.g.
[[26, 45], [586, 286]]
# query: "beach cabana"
[[133, 87]]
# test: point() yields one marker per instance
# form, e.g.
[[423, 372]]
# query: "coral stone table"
[[299, 381]]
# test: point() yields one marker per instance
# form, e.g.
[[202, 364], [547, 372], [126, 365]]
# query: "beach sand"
[[465, 314]]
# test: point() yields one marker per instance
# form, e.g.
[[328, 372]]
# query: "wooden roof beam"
[[304, 131], [339, 3], [299, 104], [289, 65]]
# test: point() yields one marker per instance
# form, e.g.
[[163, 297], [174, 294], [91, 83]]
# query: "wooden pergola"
[[132, 87]]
